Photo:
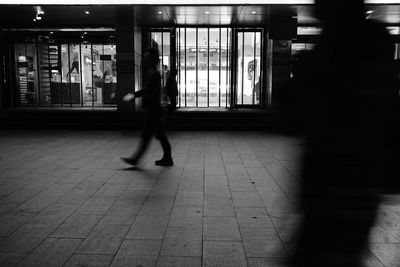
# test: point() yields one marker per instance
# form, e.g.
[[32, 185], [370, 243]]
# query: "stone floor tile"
[[11, 259], [77, 226], [190, 216], [89, 260], [189, 199], [191, 185], [250, 212], [154, 205], [96, 205], [182, 241], [10, 222], [137, 253], [26, 238], [270, 262], [219, 207], [221, 228], [104, 239], [54, 214], [246, 199], [76, 196], [51, 252], [388, 254], [151, 226], [219, 253], [167, 261]]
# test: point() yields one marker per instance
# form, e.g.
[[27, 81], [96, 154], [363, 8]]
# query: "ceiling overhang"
[[175, 2]]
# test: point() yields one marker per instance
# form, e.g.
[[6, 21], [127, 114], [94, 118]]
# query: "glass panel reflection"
[[190, 67], [214, 68], [202, 68], [248, 79], [203, 72], [26, 75]]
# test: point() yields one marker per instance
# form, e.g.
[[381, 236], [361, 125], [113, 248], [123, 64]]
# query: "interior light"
[[87, 12], [370, 12], [253, 12], [51, 32], [85, 33], [160, 12], [207, 12]]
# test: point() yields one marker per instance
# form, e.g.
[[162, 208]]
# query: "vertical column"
[[124, 16], [282, 31]]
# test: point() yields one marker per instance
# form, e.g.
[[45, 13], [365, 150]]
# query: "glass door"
[[248, 75]]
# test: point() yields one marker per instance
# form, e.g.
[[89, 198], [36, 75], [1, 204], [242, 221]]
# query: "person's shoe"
[[131, 161], [165, 162]]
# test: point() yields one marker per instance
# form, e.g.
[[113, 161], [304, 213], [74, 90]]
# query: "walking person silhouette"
[[151, 97], [347, 102]]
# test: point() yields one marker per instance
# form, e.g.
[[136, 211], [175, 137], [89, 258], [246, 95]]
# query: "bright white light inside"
[[253, 12], [370, 12], [87, 12], [207, 12], [160, 12]]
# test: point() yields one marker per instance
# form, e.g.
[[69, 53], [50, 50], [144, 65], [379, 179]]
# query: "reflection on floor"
[[67, 199]]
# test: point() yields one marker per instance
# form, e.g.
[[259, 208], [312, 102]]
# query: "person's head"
[[338, 10], [151, 58]]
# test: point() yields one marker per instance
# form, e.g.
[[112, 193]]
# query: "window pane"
[[166, 56], [240, 69], [54, 53], [249, 66], [182, 68], [202, 55], [191, 67], [257, 78], [109, 74], [89, 90], [214, 77], [223, 66], [26, 77], [99, 70]]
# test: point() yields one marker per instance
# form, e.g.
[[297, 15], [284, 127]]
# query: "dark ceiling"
[[21, 16]]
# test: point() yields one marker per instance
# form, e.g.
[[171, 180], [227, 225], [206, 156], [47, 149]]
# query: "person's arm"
[[130, 96]]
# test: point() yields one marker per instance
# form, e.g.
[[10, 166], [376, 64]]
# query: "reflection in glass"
[[240, 68], [202, 68], [203, 72], [182, 67], [248, 68], [214, 68], [191, 58]]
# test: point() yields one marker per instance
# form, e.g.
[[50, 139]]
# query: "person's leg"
[[144, 141], [166, 146]]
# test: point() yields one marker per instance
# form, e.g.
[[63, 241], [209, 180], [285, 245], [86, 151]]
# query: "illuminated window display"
[[26, 74], [70, 75], [203, 60], [248, 76]]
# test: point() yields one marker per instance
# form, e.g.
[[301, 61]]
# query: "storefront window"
[[26, 74], [203, 72], [69, 74]]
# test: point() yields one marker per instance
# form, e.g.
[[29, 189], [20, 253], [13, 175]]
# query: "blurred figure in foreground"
[[151, 94], [346, 97], [172, 89]]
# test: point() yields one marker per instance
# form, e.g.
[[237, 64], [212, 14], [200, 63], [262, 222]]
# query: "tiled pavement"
[[66, 199]]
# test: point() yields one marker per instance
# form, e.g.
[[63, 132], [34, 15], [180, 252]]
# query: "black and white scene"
[[200, 133]]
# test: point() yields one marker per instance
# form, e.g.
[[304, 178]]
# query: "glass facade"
[[66, 75], [203, 61], [248, 69]]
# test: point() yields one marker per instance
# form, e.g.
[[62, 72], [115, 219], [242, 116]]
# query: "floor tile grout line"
[[230, 193]]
